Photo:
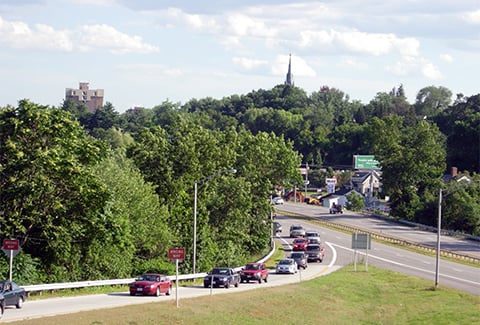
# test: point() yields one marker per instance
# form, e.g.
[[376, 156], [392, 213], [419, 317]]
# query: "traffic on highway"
[[337, 252]]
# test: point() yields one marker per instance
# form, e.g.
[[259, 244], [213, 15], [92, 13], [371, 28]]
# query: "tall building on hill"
[[289, 79], [92, 98]]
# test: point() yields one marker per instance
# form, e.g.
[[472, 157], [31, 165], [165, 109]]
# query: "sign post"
[[10, 248], [360, 241], [176, 254]]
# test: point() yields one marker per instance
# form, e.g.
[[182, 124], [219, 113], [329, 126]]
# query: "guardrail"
[[397, 240], [96, 283]]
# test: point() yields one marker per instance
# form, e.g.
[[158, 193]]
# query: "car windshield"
[[297, 227], [149, 277], [297, 255], [252, 267], [288, 262], [219, 271], [312, 234], [313, 248]]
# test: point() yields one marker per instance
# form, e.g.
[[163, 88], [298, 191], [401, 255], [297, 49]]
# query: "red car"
[[254, 272], [300, 244], [151, 284]]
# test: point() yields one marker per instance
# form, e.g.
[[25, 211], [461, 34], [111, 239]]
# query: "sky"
[[146, 52]]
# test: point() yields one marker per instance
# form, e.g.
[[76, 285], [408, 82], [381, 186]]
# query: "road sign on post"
[[10, 244], [176, 254], [361, 241], [11, 248]]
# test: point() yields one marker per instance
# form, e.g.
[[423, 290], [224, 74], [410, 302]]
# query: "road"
[[338, 254], [461, 246], [453, 275]]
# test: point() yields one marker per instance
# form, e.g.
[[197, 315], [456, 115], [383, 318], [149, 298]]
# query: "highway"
[[453, 275], [338, 254]]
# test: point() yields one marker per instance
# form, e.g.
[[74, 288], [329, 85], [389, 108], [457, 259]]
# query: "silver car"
[[297, 231], [287, 265], [312, 236]]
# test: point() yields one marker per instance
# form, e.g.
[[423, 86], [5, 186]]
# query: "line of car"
[[306, 247]]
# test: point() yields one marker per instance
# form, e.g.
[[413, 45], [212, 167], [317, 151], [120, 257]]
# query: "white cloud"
[[446, 58], [473, 17], [106, 37], [87, 38], [360, 42], [299, 66], [17, 34], [430, 71], [248, 64], [352, 62], [243, 25], [195, 22]]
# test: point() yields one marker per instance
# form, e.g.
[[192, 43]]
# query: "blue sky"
[[145, 52]]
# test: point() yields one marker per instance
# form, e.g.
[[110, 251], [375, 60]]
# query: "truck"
[[336, 208], [255, 272], [221, 277]]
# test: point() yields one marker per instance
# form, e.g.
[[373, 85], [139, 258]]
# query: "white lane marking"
[[334, 254], [408, 266]]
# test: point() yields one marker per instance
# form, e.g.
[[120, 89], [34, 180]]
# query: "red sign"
[[10, 244], [176, 253]]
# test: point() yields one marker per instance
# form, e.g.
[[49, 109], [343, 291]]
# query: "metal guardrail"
[[97, 283], [403, 242]]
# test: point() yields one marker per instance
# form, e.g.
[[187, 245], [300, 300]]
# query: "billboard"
[[365, 162], [331, 182]]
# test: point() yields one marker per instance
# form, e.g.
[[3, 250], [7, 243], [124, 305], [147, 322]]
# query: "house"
[[339, 197], [366, 182], [453, 176], [294, 196]]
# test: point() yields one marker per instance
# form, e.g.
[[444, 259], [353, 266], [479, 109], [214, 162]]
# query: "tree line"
[[97, 195]]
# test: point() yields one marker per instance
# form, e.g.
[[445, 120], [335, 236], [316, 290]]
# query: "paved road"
[[378, 225]]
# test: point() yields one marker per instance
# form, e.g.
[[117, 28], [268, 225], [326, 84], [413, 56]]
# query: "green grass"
[[343, 297]]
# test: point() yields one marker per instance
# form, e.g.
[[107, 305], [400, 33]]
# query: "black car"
[[2, 305], [13, 294], [221, 277]]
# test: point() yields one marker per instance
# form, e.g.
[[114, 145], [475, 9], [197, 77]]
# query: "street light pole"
[[439, 229], [195, 188]]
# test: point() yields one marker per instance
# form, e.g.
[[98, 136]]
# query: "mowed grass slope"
[[343, 297]]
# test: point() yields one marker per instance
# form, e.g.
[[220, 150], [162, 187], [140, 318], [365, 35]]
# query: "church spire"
[[289, 80]]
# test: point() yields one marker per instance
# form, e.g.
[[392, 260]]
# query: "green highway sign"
[[365, 162]]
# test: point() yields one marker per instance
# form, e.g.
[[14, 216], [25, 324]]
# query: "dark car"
[[2, 305], [151, 284], [221, 277], [254, 272], [315, 252], [13, 294], [300, 258]]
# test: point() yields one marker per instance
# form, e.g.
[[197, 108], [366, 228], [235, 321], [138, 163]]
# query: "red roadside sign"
[[176, 253], [10, 244]]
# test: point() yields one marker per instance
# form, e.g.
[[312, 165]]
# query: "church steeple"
[[289, 80]]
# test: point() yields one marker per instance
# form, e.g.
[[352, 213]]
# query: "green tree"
[[412, 161], [50, 199], [432, 100], [135, 236]]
